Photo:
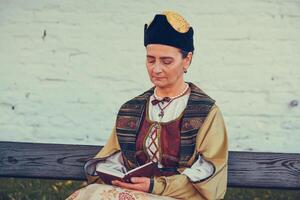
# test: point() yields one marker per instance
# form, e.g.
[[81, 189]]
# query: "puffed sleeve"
[[212, 146], [111, 152]]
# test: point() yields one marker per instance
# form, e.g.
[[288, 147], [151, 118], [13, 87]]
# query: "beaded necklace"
[[167, 99]]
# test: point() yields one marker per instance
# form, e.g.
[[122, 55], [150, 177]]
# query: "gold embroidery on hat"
[[177, 21]]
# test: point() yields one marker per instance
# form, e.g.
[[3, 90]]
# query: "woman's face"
[[165, 65]]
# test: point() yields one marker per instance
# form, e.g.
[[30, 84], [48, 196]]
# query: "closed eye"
[[167, 61], [150, 59]]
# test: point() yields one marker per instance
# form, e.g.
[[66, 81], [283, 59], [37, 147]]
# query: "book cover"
[[109, 174]]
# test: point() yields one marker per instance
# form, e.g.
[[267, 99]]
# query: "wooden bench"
[[59, 161]]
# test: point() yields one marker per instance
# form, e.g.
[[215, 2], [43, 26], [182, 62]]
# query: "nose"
[[157, 68]]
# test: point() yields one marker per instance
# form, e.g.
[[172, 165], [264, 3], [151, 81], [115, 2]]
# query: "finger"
[[138, 179], [118, 183], [128, 185], [115, 182]]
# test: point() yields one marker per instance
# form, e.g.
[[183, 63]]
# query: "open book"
[[108, 174]]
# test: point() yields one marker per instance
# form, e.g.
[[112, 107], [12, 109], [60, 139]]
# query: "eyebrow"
[[163, 57]]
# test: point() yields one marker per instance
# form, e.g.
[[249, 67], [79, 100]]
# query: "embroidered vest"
[[131, 116], [168, 134]]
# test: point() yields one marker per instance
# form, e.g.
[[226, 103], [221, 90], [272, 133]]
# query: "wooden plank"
[[264, 170], [58, 161], [37, 160]]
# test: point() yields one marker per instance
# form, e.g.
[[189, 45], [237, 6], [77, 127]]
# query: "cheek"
[[176, 72], [149, 69]]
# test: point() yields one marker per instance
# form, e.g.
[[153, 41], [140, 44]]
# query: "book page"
[[110, 170]]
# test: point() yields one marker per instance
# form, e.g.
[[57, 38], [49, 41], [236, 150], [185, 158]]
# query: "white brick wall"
[[67, 86]]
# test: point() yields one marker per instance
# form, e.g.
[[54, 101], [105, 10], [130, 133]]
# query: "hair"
[[185, 53]]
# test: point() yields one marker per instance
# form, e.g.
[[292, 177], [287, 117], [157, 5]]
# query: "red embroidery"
[[126, 196], [127, 123]]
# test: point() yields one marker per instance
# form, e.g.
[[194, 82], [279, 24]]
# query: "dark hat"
[[169, 29]]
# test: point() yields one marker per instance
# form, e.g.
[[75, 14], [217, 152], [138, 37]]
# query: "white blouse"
[[171, 112]]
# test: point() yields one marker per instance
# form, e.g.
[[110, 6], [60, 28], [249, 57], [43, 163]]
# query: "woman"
[[174, 124]]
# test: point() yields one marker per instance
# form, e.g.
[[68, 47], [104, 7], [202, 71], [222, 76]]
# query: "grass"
[[39, 189]]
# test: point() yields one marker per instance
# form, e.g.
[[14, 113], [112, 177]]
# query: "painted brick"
[[67, 66]]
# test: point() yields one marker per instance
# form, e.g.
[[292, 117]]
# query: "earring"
[[184, 70]]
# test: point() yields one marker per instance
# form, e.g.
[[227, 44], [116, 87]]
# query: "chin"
[[160, 84]]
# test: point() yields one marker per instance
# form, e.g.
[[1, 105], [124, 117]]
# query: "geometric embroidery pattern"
[[153, 144]]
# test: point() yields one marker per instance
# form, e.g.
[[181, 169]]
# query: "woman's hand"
[[137, 183]]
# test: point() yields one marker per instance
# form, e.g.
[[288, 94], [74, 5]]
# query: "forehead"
[[162, 50]]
